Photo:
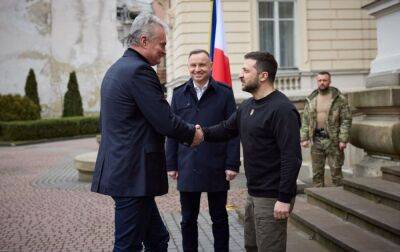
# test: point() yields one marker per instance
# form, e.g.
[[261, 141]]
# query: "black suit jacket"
[[135, 117]]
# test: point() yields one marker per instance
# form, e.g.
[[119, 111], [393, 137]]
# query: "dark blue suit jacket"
[[202, 169], [135, 117]]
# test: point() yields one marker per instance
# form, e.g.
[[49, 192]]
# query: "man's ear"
[[143, 41], [263, 76]]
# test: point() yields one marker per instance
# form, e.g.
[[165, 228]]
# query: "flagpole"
[[210, 26], [212, 29]]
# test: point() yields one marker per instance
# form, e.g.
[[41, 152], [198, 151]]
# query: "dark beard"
[[323, 91], [251, 87]]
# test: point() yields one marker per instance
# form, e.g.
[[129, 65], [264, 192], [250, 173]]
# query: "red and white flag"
[[221, 71]]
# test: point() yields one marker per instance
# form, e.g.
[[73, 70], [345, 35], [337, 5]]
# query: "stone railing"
[[288, 81]]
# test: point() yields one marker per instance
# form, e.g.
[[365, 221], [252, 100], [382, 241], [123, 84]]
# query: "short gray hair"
[[144, 25]]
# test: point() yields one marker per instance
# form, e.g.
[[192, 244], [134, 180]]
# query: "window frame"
[[276, 22]]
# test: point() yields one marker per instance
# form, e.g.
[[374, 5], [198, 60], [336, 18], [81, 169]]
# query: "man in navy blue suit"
[[135, 117], [210, 166]]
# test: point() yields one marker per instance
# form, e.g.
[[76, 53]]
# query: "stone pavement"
[[172, 221], [43, 206]]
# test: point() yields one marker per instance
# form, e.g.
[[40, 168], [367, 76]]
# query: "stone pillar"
[[385, 69], [377, 129]]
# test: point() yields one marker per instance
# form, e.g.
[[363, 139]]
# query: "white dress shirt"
[[200, 89]]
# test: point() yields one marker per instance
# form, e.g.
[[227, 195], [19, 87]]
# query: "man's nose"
[[163, 51]]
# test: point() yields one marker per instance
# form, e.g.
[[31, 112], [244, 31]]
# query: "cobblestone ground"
[[43, 207]]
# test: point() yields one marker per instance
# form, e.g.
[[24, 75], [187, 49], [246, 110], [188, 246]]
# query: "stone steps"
[[375, 189], [391, 173], [301, 185], [335, 233], [298, 240], [377, 218]]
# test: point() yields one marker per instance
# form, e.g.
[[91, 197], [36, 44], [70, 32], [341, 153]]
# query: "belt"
[[321, 133]]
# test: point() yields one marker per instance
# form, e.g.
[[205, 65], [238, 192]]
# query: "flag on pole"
[[221, 71]]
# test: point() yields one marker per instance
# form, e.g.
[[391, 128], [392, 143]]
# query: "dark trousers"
[[190, 206], [138, 223]]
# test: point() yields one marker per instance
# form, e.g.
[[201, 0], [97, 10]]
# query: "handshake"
[[198, 136]]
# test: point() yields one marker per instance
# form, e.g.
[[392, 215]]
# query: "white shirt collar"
[[200, 89], [203, 88]]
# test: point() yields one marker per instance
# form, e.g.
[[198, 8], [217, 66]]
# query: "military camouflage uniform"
[[337, 128]]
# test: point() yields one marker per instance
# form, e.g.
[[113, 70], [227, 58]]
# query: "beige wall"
[[333, 35], [341, 36]]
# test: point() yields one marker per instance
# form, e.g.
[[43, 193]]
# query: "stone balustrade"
[[288, 81]]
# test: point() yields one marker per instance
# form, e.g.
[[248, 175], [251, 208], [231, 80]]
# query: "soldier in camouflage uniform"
[[326, 124]]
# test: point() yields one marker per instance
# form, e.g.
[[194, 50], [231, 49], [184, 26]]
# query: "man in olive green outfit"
[[326, 124]]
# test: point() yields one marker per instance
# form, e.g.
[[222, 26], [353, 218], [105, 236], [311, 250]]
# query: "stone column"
[[385, 69], [377, 129]]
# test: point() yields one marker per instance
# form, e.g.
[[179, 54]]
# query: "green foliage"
[[49, 128], [31, 89], [17, 108], [72, 98], [88, 125]]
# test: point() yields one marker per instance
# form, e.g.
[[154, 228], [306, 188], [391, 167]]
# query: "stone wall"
[[340, 35], [55, 37]]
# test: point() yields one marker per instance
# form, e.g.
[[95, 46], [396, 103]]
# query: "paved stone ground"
[[43, 206], [172, 221]]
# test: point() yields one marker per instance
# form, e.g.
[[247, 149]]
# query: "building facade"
[[306, 36]]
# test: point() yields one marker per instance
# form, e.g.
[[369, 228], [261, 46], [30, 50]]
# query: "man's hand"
[[230, 175], [342, 146], [281, 210], [305, 143], [198, 136], [173, 174]]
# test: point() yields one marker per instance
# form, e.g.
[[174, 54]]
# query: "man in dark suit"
[[135, 117], [210, 166]]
